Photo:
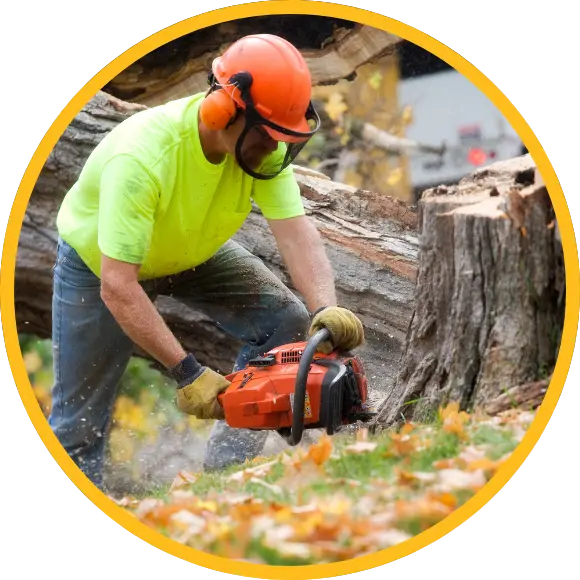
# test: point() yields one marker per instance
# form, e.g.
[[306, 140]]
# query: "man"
[[153, 212]]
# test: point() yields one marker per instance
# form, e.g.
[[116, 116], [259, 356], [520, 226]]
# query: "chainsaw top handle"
[[294, 435]]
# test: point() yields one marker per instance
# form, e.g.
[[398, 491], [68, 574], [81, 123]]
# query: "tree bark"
[[371, 240], [489, 301]]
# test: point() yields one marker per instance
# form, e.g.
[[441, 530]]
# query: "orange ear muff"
[[217, 110]]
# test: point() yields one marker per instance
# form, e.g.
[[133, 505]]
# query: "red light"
[[477, 156]]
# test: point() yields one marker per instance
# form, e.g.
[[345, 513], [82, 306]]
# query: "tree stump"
[[489, 298]]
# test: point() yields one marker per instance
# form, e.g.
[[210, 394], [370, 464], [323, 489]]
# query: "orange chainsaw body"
[[261, 396]]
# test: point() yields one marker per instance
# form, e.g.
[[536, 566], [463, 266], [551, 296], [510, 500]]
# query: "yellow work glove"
[[198, 389], [346, 330]]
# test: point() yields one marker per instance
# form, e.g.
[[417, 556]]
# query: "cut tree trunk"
[[489, 307], [371, 240]]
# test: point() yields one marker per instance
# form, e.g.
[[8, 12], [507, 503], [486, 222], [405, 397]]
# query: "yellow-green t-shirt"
[[147, 195]]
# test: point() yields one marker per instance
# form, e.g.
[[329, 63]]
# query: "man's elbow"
[[109, 291], [119, 280], [115, 291]]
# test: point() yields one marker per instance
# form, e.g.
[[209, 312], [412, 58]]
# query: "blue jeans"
[[91, 351]]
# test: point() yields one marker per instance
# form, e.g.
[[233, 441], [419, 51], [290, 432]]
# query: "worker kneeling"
[[153, 212]]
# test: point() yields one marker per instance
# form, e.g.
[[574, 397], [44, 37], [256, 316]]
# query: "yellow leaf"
[[207, 506], [407, 115], [335, 107], [32, 362], [375, 80]]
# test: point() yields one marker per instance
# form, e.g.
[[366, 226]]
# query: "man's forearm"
[[314, 279], [141, 321], [308, 265]]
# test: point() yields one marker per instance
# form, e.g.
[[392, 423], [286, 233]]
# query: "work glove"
[[198, 389], [346, 330]]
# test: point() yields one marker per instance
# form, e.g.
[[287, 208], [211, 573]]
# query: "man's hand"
[[199, 398], [198, 388], [346, 330]]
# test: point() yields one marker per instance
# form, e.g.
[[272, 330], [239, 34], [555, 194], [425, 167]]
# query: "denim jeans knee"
[[227, 446], [90, 354]]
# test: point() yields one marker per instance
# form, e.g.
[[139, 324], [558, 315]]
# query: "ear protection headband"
[[218, 109]]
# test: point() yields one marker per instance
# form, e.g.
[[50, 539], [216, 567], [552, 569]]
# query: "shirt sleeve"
[[279, 198], [128, 201]]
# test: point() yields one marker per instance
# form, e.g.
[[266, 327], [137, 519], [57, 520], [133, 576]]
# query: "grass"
[[340, 497]]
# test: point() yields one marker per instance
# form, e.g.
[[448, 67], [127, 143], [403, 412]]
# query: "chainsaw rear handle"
[[294, 435]]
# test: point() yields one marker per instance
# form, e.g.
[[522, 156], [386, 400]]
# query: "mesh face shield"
[[264, 149]]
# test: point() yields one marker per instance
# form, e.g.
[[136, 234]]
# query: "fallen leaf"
[[182, 479], [320, 451], [244, 475], [445, 498], [269, 486], [413, 479], [444, 464], [471, 454], [402, 445], [361, 447], [362, 434], [456, 479], [426, 509], [386, 538], [185, 521], [294, 550], [277, 534]]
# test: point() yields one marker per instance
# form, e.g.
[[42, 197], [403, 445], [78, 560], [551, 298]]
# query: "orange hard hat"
[[280, 82]]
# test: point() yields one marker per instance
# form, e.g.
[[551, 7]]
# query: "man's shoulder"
[[151, 134]]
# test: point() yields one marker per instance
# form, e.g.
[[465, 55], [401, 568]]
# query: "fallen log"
[[371, 240], [489, 300], [333, 49]]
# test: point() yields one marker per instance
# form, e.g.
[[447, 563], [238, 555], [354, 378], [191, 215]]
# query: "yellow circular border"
[[271, 7]]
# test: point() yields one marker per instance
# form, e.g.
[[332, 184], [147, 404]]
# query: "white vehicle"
[[449, 111]]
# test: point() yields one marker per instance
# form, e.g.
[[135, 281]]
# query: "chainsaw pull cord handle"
[[295, 435]]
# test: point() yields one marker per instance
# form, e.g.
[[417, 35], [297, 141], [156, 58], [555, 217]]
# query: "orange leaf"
[[320, 451], [445, 498], [426, 509], [444, 464], [402, 445], [182, 479], [484, 464]]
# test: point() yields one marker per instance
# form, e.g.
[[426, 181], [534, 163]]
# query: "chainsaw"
[[293, 387]]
